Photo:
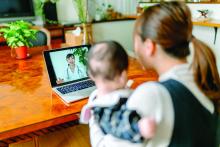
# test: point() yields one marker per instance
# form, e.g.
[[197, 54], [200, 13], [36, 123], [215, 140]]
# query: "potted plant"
[[110, 11], [98, 14], [17, 35]]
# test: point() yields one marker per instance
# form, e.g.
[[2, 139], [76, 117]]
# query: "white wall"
[[217, 49], [206, 34], [123, 6], [66, 12], [121, 31], [213, 9]]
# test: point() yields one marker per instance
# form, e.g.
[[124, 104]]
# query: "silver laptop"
[[68, 72]]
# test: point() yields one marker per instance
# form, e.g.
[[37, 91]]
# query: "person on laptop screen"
[[73, 71]]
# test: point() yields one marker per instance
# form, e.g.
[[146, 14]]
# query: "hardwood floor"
[[76, 136]]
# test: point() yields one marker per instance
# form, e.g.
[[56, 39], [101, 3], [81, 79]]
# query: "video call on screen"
[[61, 66]]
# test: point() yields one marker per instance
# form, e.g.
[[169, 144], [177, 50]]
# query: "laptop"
[[68, 73]]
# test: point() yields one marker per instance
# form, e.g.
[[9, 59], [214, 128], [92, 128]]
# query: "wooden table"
[[27, 102]]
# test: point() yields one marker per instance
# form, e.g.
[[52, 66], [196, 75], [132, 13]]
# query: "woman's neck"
[[72, 67], [165, 65]]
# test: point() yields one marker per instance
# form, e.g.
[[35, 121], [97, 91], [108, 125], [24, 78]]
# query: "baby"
[[107, 67]]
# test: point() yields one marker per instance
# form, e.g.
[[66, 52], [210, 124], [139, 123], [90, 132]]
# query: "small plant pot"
[[21, 52], [98, 17], [109, 13], [114, 15], [110, 10]]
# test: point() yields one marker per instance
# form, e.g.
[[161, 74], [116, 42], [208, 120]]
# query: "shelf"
[[202, 2], [208, 23]]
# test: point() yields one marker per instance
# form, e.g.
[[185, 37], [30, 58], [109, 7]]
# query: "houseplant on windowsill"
[[81, 7], [18, 35]]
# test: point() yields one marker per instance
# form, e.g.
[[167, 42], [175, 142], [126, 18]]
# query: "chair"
[[42, 37]]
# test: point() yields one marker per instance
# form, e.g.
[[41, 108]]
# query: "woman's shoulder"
[[148, 92], [149, 88], [148, 98]]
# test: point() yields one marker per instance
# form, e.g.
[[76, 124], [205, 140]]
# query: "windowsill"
[[186, 2], [114, 20]]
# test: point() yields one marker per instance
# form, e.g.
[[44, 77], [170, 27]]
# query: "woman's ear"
[[150, 47]]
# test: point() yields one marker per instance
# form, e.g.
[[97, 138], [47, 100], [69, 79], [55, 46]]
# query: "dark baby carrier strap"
[[194, 125], [119, 121]]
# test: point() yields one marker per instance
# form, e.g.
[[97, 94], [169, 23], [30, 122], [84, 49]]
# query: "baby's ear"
[[90, 75], [124, 74], [123, 77]]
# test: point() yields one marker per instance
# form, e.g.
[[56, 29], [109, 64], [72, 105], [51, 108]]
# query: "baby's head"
[[108, 62]]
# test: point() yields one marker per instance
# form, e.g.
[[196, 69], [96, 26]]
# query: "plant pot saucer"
[[28, 56]]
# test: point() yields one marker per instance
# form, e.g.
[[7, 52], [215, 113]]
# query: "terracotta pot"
[[21, 52]]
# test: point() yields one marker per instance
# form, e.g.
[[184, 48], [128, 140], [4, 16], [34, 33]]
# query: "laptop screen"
[[66, 65]]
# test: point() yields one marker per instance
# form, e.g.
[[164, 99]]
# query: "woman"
[[73, 71], [182, 102]]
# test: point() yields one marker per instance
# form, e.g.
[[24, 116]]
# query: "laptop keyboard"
[[76, 87]]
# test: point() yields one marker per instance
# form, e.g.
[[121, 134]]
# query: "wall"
[[206, 34], [217, 49], [213, 9], [120, 31], [122, 6], [67, 14]]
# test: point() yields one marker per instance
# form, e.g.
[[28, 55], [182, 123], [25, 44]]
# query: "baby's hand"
[[147, 127], [85, 115]]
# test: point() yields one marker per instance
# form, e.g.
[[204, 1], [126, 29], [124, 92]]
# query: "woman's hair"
[[169, 25], [70, 55], [107, 59]]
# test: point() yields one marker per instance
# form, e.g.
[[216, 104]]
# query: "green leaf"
[[18, 33], [81, 9], [81, 53], [20, 43]]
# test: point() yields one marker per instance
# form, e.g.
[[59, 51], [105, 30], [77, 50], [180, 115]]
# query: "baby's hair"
[[107, 59]]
